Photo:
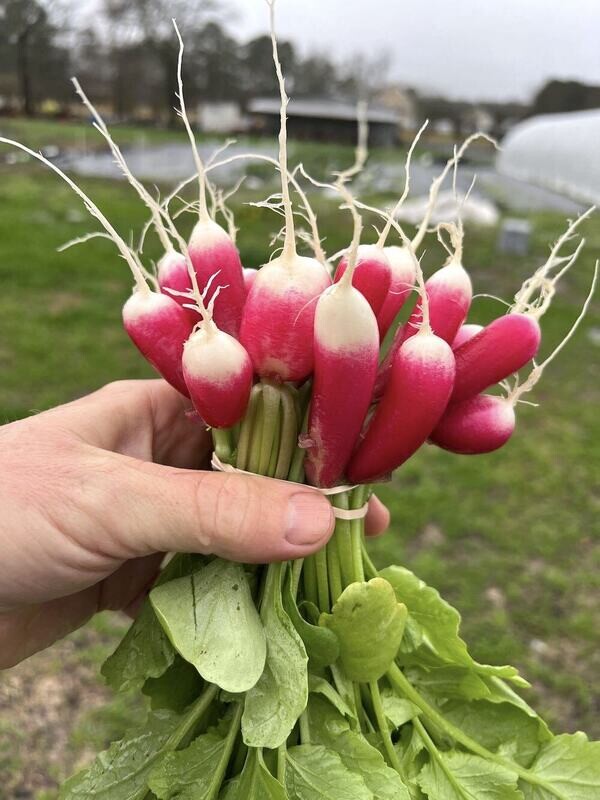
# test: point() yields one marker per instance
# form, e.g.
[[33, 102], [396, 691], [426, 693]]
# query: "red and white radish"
[[249, 275], [401, 285], [466, 332], [159, 327], [210, 246], [372, 274], [278, 320], [156, 324], [449, 293], [416, 395], [483, 423], [501, 348], [346, 355], [477, 425], [218, 374]]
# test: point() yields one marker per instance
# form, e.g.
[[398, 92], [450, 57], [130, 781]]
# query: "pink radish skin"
[[402, 281], [415, 398], [465, 333], [478, 425], [159, 327], [501, 348], [372, 275], [249, 275], [218, 375], [346, 354], [172, 273], [278, 321], [211, 250], [449, 291]]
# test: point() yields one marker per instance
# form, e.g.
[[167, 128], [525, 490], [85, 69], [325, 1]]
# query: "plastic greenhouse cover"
[[556, 151]]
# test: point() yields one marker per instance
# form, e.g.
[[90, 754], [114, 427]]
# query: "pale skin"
[[95, 492]]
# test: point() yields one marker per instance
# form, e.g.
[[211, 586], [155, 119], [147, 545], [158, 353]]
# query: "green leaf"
[[321, 644], [321, 686], [398, 710], [315, 773], [499, 727], [256, 782], [461, 776], [274, 704], [175, 688], [330, 729], [567, 768], [187, 774], [447, 681], [211, 620], [369, 623], [413, 756], [145, 650], [432, 634], [437, 620], [121, 772]]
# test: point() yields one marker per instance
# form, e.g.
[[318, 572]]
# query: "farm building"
[[322, 120]]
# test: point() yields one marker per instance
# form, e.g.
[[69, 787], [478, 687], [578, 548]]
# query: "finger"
[[378, 517], [127, 508], [142, 419]]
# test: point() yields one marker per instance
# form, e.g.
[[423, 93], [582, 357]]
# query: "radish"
[[401, 285], [217, 369], [173, 276], [249, 275], [278, 320], [417, 393], [346, 355], [479, 424], [372, 274], [501, 348], [172, 268], [210, 247], [484, 423], [465, 333], [157, 324], [449, 292]]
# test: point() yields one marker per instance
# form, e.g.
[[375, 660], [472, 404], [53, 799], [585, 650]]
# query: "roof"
[[324, 109]]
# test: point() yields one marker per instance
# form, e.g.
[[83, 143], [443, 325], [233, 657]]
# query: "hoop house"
[[557, 151]]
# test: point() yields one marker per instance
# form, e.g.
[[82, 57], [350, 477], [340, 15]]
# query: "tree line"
[[126, 56]]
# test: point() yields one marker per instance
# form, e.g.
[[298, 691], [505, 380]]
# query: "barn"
[[323, 120]]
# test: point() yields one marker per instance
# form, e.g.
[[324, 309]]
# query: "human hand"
[[94, 493]]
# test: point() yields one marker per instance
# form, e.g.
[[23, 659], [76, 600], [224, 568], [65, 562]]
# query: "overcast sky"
[[473, 49]]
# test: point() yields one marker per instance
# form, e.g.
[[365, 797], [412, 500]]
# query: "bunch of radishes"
[[337, 680]]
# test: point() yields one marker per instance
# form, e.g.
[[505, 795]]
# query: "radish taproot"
[[501, 348], [278, 319], [346, 352], [415, 397], [466, 332], [372, 274], [483, 423]]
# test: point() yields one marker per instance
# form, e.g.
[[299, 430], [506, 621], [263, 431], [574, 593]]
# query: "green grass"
[[511, 538]]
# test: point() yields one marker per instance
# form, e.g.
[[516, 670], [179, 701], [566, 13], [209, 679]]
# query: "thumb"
[[240, 517]]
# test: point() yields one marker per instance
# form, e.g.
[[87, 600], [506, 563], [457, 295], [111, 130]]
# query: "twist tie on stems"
[[340, 513]]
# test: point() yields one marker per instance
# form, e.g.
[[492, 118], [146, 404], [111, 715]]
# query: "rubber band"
[[347, 514]]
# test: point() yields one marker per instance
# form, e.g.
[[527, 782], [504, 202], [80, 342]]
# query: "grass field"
[[511, 538]]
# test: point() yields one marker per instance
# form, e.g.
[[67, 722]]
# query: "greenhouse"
[[556, 151]]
